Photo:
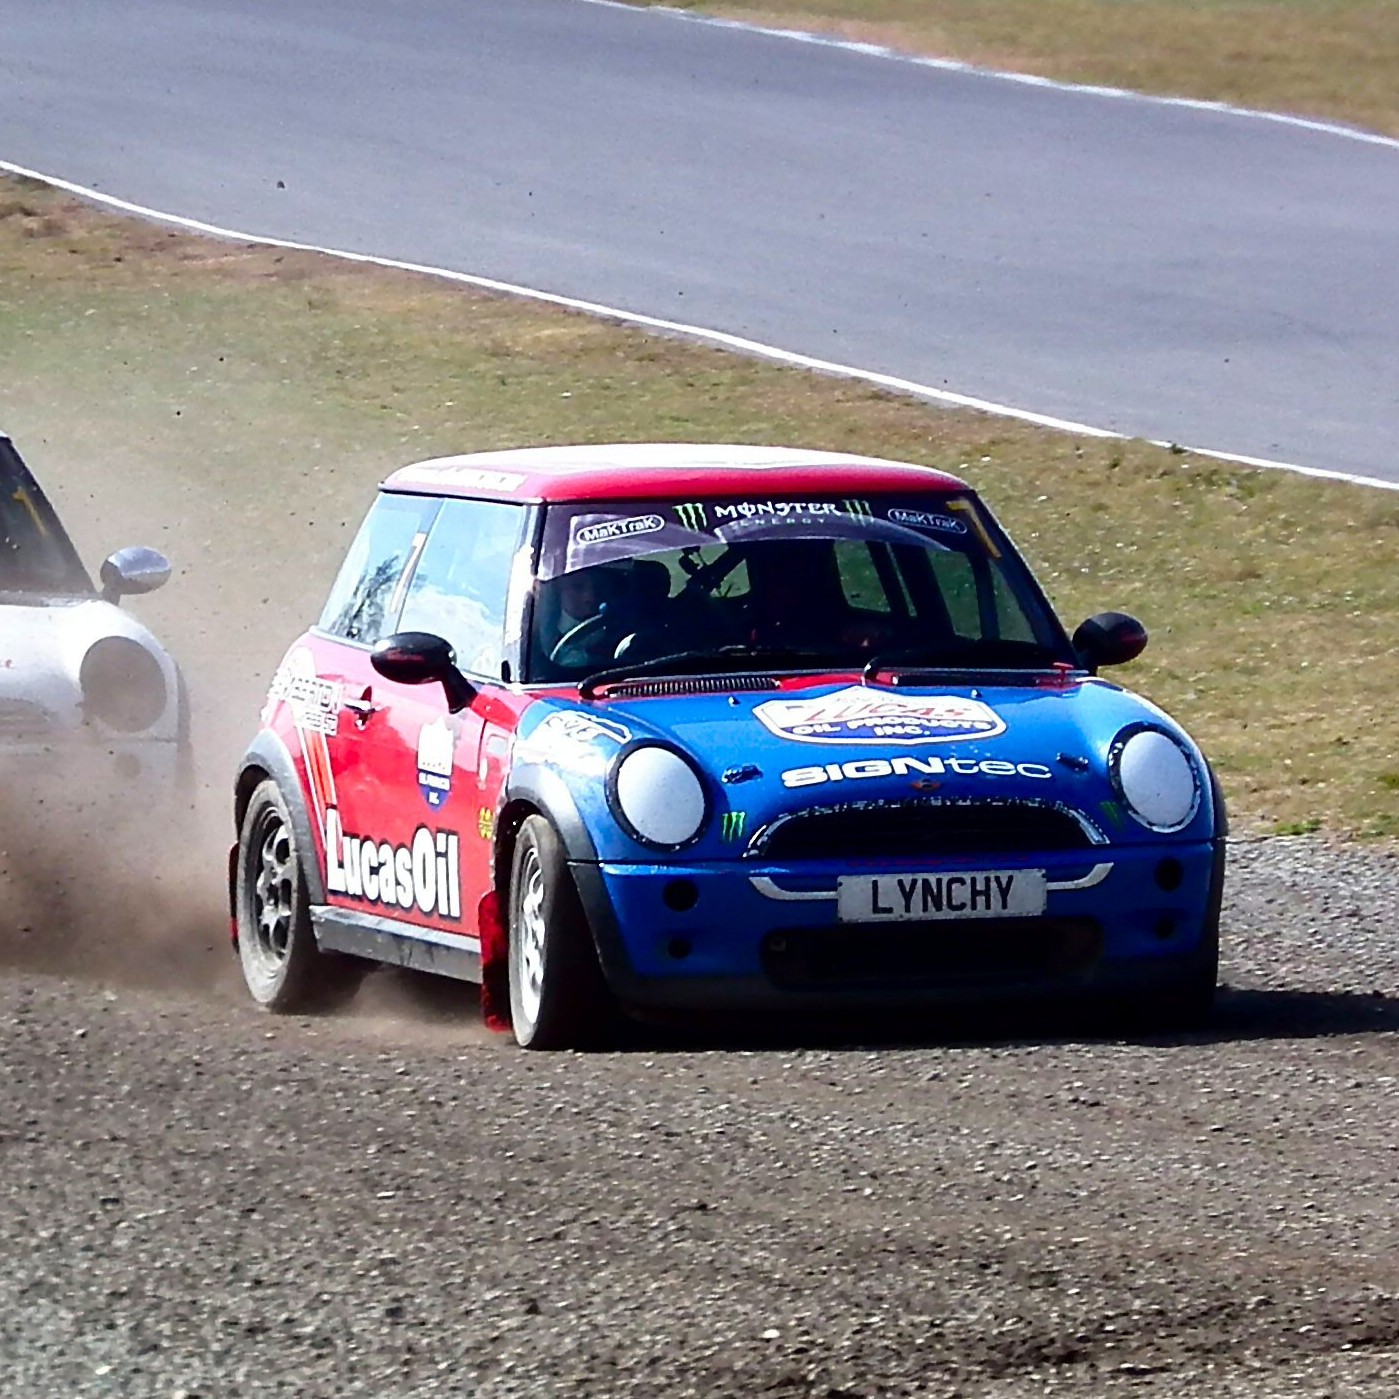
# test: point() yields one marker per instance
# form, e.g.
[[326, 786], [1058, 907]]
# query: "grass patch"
[[236, 406], [1322, 58]]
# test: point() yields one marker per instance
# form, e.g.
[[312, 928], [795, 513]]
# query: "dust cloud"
[[108, 882], [113, 883], [118, 881]]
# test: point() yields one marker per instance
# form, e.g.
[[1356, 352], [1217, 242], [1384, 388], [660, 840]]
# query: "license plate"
[[888, 898]]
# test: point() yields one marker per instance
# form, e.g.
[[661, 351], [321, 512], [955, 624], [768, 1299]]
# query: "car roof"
[[649, 470]]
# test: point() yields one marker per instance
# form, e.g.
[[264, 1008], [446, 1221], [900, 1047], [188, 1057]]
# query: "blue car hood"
[[766, 754]]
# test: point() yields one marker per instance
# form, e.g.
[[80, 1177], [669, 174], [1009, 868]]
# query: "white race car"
[[87, 694]]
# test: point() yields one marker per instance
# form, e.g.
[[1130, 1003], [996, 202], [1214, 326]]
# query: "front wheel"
[[284, 969], [558, 998]]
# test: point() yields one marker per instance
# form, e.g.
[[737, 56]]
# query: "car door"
[[349, 767], [417, 852]]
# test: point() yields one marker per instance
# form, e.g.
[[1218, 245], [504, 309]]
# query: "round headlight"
[[657, 796], [1157, 779], [123, 684]]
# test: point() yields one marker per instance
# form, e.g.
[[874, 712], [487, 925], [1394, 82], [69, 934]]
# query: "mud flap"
[[495, 964]]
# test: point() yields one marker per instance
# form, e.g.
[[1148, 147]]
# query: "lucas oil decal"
[[436, 743], [424, 874], [858, 715]]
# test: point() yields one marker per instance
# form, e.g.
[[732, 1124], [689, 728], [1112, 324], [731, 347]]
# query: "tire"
[[558, 997], [285, 971]]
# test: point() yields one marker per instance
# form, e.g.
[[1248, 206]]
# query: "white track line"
[[951, 65], [693, 332]]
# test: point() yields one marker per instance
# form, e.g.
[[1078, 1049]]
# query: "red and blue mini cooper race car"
[[650, 727]]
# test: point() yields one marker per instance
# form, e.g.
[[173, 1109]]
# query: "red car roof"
[[664, 470]]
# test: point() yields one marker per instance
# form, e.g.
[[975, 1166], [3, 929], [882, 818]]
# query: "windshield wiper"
[[726, 660]]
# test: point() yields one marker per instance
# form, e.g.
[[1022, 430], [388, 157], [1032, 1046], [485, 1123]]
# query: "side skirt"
[[378, 939]]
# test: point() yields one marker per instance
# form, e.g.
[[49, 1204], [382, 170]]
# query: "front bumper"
[[724, 936]]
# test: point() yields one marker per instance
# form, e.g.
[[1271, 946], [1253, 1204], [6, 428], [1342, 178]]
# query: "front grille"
[[951, 953], [911, 830], [691, 685]]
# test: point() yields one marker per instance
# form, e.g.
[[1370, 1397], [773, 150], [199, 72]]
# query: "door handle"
[[363, 708]]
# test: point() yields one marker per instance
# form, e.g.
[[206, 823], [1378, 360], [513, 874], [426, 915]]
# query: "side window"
[[459, 587], [366, 595]]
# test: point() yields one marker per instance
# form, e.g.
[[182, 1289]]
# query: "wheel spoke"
[[273, 876], [531, 934]]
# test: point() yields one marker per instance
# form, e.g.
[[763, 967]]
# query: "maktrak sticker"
[[620, 529], [928, 519], [858, 715], [436, 749]]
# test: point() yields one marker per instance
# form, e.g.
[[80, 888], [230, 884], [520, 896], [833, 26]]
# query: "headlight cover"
[[123, 684], [1156, 777], [657, 796]]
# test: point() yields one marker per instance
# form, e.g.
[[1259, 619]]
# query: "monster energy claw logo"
[[860, 509], [732, 825], [692, 515]]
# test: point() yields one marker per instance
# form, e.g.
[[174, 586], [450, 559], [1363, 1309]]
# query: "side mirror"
[[133, 570], [1110, 638], [419, 658]]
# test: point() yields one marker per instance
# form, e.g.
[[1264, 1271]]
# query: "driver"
[[583, 596]]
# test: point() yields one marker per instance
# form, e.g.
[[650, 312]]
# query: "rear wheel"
[[558, 998], [284, 969]]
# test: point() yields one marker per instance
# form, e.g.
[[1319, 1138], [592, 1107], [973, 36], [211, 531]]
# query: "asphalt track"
[[1198, 276]]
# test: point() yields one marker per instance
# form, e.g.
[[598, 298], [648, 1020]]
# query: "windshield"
[[830, 584], [35, 554]]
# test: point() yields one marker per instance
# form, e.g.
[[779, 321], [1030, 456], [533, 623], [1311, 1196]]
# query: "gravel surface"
[[200, 1200]]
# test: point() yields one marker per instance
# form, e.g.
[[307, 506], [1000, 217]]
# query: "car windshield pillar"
[[36, 555]]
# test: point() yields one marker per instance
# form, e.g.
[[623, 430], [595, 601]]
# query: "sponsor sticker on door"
[[423, 875], [436, 750], [860, 715]]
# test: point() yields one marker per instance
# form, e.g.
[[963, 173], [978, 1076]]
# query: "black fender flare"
[[269, 755], [544, 789]]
